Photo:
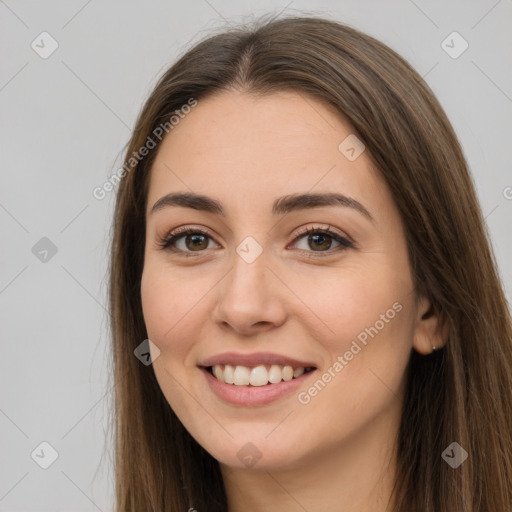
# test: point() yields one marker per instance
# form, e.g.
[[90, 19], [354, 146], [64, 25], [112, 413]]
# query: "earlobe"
[[431, 330]]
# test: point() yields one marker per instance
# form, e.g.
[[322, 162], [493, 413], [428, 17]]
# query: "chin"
[[258, 454]]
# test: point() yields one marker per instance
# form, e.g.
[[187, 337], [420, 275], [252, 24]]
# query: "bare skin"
[[334, 450]]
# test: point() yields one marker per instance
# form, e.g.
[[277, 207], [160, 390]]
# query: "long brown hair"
[[461, 393]]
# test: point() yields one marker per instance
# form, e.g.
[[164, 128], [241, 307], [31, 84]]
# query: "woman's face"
[[257, 292]]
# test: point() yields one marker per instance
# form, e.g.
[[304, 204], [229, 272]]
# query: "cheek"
[[173, 305], [343, 303], [367, 355], [365, 316], [163, 304], [170, 323]]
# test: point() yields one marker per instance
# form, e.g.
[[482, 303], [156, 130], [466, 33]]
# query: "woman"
[[299, 251]]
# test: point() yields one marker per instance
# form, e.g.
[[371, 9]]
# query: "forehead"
[[242, 147], [281, 122]]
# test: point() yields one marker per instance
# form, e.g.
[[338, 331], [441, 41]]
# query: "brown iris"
[[320, 239], [197, 242]]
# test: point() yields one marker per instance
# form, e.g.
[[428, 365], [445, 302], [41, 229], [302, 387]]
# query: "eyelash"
[[166, 243]]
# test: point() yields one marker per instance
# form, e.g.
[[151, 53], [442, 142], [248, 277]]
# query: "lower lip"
[[248, 396]]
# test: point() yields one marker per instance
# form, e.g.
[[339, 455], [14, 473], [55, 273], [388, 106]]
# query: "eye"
[[321, 240], [191, 240]]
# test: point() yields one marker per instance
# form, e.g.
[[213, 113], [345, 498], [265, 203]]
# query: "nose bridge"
[[247, 295]]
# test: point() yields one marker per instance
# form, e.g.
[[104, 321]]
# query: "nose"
[[250, 298]]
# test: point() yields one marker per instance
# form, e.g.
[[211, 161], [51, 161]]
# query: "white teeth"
[[257, 376], [217, 371], [228, 374], [298, 372], [287, 373], [275, 374], [241, 376]]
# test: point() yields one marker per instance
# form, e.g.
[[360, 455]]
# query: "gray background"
[[65, 120]]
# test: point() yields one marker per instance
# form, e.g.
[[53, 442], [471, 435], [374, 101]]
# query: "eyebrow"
[[281, 206]]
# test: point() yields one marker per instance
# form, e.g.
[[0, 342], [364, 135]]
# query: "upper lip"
[[256, 359]]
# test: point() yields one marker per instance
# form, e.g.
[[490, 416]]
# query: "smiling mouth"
[[261, 375]]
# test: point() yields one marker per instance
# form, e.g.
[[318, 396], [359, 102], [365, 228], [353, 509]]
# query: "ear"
[[431, 330]]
